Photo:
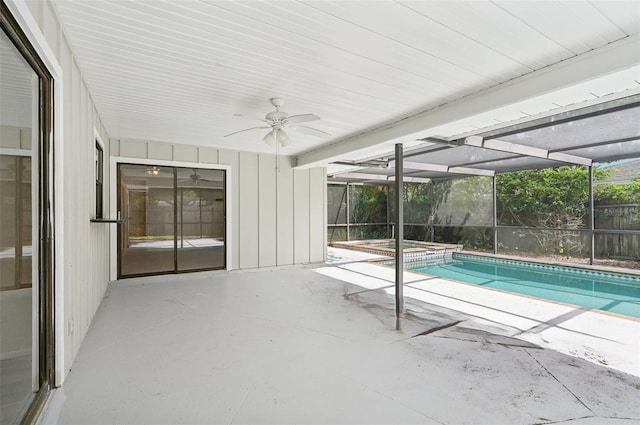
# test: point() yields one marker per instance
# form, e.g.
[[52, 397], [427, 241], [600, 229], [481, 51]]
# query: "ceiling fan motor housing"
[[276, 116]]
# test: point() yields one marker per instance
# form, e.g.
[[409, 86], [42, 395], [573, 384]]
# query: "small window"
[[99, 181]]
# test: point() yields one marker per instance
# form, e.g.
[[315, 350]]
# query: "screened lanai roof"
[[597, 134]]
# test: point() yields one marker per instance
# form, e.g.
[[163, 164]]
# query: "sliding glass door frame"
[[43, 204], [115, 161]]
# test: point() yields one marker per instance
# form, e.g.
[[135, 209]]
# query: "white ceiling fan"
[[278, 121], [194, 179]]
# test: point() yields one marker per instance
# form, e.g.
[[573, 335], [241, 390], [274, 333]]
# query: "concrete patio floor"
[[295, 346]]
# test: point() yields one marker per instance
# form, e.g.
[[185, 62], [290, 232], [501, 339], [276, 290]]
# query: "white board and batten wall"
[[81, 248], [278, 215]]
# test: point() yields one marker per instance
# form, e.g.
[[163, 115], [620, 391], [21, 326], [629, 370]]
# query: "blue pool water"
[[617, 293]]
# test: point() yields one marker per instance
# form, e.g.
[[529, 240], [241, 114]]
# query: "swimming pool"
[[613, 292]]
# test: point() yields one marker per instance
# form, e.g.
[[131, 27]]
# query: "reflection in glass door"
[[173, 219], [201, 223], [26, 351], [146, 203], [16, 293]]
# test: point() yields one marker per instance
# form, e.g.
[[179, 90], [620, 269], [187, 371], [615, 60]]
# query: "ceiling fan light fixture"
[[270, 138], [283, 139], [153, 171]]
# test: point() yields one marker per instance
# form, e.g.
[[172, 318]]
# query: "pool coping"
[[618, 270], [434, 249]]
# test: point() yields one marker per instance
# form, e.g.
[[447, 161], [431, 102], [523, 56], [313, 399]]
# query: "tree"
[[627, 193], [368, 204], [553, 199]]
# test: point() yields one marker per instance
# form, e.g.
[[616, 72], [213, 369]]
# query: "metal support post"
[[389, 227], [432, 215], [348, 211], [495, 215], [399, 219], [591, 217]]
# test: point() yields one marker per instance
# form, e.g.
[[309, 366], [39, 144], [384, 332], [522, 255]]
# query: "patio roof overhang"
[[181, 71], [597, 134]]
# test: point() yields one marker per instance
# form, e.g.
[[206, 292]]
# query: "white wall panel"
[[100, 233], [232, 159], [66, 61], [71, 213], [317, 214], [114, 147], [82, 225], [301, 216], [36, 7], [285, 216], [267, 212], [51, 28], [208, 155], [163, 151], [248, 210], [133, 148], [185, 153]]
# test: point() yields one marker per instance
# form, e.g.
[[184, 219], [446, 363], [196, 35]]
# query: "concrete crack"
[[549, 422], [558, 381], [240, 406], [564, 421], [437, 328]]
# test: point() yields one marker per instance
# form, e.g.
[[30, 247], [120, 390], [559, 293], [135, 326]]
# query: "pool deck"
[[599, 337]]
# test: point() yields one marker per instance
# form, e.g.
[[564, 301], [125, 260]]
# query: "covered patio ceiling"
[[375, 72]]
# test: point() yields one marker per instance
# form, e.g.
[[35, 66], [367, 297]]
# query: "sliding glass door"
[[146, 203], [26, 276], [173, 219]]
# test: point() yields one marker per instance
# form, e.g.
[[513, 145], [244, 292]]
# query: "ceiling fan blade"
[[247, 129], [244, 117], [310, 131], [295, 119]]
